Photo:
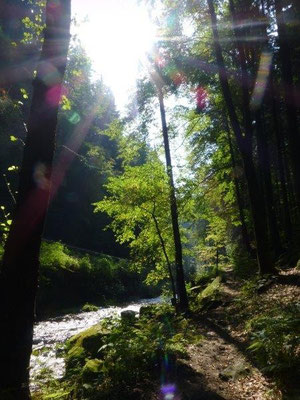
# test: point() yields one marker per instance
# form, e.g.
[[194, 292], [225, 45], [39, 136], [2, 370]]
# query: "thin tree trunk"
[[162, 242], [20, 269], [180, 281], [245, 147]]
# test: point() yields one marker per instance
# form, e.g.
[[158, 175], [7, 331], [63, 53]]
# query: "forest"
[[150, 247]]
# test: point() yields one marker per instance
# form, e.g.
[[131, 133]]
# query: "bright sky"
[[116, 36]]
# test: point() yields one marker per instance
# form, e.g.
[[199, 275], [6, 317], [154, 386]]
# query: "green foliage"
[[244, 267], [55, 256], [208, 296], [205, 275], [5, 223], [89, 307], [119, 355], [138, 198], [70, 278], [275, 338]]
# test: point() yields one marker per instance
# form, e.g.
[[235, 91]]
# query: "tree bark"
[[281, 169], [289, 99], [162, 242], [20, 268], [244, 230], [266, 180], [180, 281], [244, 143]]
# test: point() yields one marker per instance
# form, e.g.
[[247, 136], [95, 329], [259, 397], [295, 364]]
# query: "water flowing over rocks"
[[50, 335]]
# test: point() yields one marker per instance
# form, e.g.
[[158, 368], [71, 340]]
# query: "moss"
[[91, 370], [84, 344], [89, 307], [211, 289]]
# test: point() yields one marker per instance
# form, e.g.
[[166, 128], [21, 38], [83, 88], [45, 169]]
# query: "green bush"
[[89, 307], [55, 256], [244, 266], [118, 356], [205, 274], [275, 338]]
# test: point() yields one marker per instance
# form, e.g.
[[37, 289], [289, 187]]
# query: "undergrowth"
[[124, 357], [275, 338]]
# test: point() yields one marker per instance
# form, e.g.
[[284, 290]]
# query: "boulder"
[[128, 316]]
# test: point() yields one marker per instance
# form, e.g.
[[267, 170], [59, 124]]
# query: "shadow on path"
[[192, 385], [292, 279]]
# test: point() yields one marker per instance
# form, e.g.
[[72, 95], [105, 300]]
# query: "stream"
[[50, 335]]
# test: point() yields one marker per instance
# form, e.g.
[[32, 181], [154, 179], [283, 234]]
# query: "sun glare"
[[117, 36]]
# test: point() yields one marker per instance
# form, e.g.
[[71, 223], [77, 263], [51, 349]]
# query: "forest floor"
[[222, 367]]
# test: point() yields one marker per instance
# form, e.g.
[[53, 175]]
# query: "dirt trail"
[[220, 367]]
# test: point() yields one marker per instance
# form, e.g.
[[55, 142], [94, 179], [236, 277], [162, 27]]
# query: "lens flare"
[[74, 118], [40, 177], [262, 79], [54, 94], [168, 391]]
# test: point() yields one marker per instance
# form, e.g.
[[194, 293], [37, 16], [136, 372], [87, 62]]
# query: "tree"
[[20, 266], [138, 203], [244, 142], [180, 281]]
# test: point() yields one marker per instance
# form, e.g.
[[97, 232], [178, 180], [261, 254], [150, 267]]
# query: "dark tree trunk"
[[265, 171], [244, 230], [245, 147], [281, 170], [180, 281], [289, 98], [20, 268], [162, 242]]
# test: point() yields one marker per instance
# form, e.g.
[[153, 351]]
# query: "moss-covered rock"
[[75, 357], [91, 370], [89, 307], [128, 316], [84, 345]]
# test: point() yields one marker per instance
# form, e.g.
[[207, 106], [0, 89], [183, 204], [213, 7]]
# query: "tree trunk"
[[162, 242], [245, 147], [20, 268], [265, 170], [289, 99], [281, 170], [180, 281], [244, 230]]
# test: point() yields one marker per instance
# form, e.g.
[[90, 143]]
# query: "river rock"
[[128, 315]]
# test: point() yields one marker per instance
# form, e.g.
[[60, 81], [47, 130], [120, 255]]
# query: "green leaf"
[[13, 138], [12, 168]]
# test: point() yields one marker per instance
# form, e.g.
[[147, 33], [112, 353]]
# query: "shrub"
[[55, 256], [89, 307], [275, 338], [205, 274], [119, 356]]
